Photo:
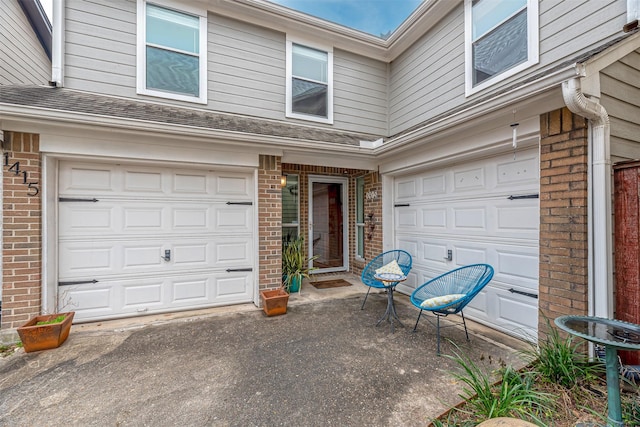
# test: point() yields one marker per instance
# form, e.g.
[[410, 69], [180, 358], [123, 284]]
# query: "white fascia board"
[[33, 119]]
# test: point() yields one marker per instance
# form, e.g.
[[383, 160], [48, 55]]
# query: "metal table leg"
[[391, 313]]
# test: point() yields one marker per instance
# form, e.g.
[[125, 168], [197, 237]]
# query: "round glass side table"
[[612, 334]]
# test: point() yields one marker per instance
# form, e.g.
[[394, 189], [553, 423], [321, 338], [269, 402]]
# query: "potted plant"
[[295, 265], [45, 331]]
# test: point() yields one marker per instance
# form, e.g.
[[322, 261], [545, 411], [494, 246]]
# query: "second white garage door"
[[485, 211], [136, 240]]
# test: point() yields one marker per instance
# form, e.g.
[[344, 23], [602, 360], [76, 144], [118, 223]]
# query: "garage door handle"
[[233, 270], [526, 294], [77, 282], [526, 196], [70, 199]]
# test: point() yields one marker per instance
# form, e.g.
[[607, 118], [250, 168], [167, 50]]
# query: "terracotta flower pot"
[[36, 337], [274, 301]]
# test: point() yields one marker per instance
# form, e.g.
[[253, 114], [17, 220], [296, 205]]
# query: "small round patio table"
[[390, 280], [612, 334]]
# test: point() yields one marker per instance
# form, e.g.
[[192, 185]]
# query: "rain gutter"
[[600, 277]]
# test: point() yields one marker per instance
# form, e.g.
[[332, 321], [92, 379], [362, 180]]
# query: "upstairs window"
[[501, 40], [171, 53], [309, 83]]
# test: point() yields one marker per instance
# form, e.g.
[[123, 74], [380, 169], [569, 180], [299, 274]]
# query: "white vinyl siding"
[[18, 38], [309, 80], [172, 67]]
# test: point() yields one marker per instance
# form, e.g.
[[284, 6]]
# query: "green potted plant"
[[295, 264]]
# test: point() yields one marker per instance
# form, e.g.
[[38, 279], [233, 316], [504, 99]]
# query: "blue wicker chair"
[[450, 292], [402, 258]]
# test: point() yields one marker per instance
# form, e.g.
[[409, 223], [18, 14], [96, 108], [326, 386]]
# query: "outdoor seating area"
[[449, 293]]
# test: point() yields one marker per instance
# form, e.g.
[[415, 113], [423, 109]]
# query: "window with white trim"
[[309, 83], [172, 47], [501, 40]]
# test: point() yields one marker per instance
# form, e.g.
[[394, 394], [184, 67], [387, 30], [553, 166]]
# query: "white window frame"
[[141, 62], [289, 76], [532, 48]]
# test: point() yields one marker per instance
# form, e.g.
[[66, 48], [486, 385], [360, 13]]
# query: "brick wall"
[[563, 216], [21, 228], [269, 222]]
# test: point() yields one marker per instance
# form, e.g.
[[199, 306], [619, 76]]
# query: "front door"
[[328, 220]]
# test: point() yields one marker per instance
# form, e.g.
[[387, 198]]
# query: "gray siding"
[[246, 68], [100, 44], [359, 93], [620, 95], [22, 58], [428, 79]]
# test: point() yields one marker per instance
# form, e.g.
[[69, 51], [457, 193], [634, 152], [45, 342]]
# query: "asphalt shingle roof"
[[62, 99]]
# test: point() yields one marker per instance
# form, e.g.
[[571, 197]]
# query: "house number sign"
[[32, 186]]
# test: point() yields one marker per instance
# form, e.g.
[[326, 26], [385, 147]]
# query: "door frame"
[[345, 219]]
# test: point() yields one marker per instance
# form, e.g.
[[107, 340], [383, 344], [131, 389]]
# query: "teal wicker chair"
[[402, 258], [450, 292]]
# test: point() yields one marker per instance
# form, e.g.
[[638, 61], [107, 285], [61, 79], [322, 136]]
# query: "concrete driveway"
[[323, 363]]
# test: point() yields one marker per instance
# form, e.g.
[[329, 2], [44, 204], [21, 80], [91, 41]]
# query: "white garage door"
[[137, 240], [485, 211]]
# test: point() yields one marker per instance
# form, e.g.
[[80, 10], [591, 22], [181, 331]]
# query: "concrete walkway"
[[323, 363]]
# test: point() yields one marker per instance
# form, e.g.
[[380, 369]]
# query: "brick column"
[[563, 216], [21, 230], [269, 222]]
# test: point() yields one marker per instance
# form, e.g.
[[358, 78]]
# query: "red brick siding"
[[372, 246], [22, 221], [269, 223], [563, 216]]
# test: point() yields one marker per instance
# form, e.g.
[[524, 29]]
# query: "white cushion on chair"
[[392, 267], [441, 300]]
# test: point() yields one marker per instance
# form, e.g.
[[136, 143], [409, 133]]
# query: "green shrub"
[[513, 395]]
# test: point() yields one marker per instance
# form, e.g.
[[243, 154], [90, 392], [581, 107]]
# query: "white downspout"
[[57, 54], [600, 246]]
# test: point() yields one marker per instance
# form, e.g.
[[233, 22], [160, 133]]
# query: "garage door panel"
[[472, 218], [122, 217], [123, 298], [117, 222], [233, 185], [519, 266], [470, 179], [523, 171], [465, 254], [467, 209], [114, 257], [87, 258]]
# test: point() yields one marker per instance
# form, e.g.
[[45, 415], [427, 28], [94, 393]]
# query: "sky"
[[376, 17]]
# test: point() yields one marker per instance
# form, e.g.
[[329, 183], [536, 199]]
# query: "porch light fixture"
[[283, 181]]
